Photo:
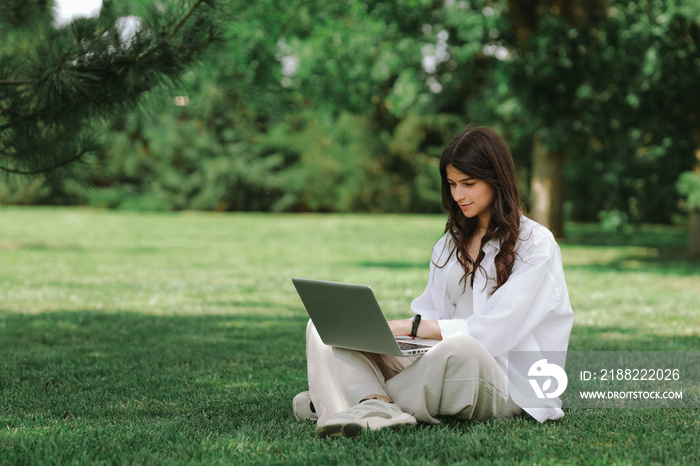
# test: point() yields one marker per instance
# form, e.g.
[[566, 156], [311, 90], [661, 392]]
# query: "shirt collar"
[[492, 244]]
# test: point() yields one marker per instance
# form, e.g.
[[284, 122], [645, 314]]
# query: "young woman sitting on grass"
[[496, 284]]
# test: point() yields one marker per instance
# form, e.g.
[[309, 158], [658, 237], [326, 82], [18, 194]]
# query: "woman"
[[496, 285]]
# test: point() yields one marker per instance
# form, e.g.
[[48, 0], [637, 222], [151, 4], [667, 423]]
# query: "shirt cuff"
[[449, 327]]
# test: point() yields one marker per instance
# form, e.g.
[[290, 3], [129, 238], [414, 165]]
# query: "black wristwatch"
[[416, 323]]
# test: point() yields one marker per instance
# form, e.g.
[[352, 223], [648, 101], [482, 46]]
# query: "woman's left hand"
[[401, 327]]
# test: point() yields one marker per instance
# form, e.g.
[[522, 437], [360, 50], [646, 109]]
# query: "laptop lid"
[[347, 316]]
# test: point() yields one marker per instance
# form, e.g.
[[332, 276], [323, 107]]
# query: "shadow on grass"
[[137, 365], [615, 338], [648, 236], [659, 261], [646, 248], [142, 388]]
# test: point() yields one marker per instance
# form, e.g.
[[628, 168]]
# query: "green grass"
[[178, 338]]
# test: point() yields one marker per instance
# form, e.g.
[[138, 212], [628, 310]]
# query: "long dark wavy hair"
[[481, 153]]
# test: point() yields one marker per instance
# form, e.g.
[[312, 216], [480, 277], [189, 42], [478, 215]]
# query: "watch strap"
[[416, 323]]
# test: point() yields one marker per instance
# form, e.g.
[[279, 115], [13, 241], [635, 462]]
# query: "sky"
[[66, 10]]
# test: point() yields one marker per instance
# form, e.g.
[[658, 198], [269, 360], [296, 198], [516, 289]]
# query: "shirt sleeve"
[[425, 303], [453, 326]]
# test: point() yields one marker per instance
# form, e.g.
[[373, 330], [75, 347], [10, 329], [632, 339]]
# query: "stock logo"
[[541, 369]]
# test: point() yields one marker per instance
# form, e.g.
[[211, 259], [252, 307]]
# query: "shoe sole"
[[350, 430], [353, 429]]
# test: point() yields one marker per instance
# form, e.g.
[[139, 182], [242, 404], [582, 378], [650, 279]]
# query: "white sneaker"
[[303, 407], [370, 414]]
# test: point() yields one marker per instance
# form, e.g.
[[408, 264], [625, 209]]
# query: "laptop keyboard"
[[409, 346]]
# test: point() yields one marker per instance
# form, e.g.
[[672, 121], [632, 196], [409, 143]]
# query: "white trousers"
[[457, 377]]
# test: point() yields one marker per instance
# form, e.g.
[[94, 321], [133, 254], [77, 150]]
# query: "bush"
[[688, 185]]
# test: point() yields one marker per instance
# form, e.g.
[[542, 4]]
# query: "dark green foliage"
[[197, 162], [62, 87], [343, 133], [689, 186], [321, 106], [186, 160], [614, 93]]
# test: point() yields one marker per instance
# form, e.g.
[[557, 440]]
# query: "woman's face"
[[473, 196]]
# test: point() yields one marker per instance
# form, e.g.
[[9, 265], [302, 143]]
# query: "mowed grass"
[[179, 338]]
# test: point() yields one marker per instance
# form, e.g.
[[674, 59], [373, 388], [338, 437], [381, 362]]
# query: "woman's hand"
[[428, 329], [401, 327]]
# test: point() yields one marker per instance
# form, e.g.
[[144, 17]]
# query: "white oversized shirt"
[[530, 312]]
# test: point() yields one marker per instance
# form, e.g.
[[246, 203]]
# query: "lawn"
[[179, 338]]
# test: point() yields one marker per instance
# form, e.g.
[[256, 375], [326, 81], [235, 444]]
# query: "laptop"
[[348, 316]]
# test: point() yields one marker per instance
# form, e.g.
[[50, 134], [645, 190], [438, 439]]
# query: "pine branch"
[[187, 16], [48, 169], [92, 82], [63, 62], [17, 82]]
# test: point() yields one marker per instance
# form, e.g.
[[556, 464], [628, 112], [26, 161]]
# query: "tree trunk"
[[547, 186], [695, 231]]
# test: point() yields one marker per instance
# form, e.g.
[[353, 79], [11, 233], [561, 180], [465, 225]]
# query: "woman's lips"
[[465, 206]]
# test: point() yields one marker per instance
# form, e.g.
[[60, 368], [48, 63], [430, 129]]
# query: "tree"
[[314, 109], [688, 185], [61, 87], [208, 151], [608, 87], [346, 106]]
